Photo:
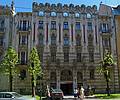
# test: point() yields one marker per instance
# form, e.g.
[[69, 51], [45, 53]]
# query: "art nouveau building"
[[6, 28], [71, 40], [117, 31]]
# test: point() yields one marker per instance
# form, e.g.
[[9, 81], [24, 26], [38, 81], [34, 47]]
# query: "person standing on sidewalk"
[[81, 93]]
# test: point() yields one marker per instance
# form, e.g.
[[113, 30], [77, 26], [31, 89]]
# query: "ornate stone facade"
[[6, 29], [70, 40]]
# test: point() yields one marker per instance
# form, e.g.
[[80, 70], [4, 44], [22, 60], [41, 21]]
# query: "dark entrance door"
[[67, 88]]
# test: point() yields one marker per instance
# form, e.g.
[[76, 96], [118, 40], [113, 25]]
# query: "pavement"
[[86, 98]]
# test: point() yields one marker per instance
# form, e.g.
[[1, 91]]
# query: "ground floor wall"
[[66, 78]]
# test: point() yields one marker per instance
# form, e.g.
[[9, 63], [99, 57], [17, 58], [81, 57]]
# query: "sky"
[[26, 5]]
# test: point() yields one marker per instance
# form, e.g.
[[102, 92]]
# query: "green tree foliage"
[[34, 68], [8, 64], [106, 64]]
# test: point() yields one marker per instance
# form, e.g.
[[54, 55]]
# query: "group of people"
[[79, 93]]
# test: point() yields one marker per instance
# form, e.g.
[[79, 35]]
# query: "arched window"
[[53, 14], [41, 13], [89, 15], [77, 14], [65, 14]]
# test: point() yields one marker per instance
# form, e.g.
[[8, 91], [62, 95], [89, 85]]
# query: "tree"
[[34, 68], [105, 68], [8, 64]]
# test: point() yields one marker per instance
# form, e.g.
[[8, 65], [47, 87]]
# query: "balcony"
[[23, 47], [24, 29], [90, 30], [106, 32]]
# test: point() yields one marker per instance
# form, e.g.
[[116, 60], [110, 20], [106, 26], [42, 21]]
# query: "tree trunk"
[[10, 79], [107, 89], [33, 87]]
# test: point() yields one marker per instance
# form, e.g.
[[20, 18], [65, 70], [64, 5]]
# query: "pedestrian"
[[78, 93], [81, 93], [75, 92]]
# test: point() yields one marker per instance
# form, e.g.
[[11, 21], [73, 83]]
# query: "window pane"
[[65, 25], [89, 16], [89, 26], [53, 14], [53, 40], [77, 26], [65, 14], [66, 41], [41, 13], [23, 39], [24, 25], [40, 25], [22, 57], [92, 74], [53, 24], [77, 15], [41, 39]]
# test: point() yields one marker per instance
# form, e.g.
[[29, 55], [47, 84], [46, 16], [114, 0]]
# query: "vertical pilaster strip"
[[46, 33], [72, 32], [59, 33], [34, 33], [96, 34], [84, 33]]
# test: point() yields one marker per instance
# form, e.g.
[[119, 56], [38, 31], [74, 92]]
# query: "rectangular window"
[[78, 57], [66, 57], [23, 39], [89, 26], [53, 57], [104, 27], [23, 58], [77, 26], [92, 72], [41, 39], [40, 25], [24, 25], [78, 41], [65, 25], [66, 41], [91, 57], [53, 24], [53, 40]]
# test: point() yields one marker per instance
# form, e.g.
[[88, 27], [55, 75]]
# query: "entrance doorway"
[[67, 88]]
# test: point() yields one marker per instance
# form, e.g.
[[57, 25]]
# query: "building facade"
[[6, 29], [71, 40], [116, 12]]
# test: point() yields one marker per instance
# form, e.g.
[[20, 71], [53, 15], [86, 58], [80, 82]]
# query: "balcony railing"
[[24, 28]]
